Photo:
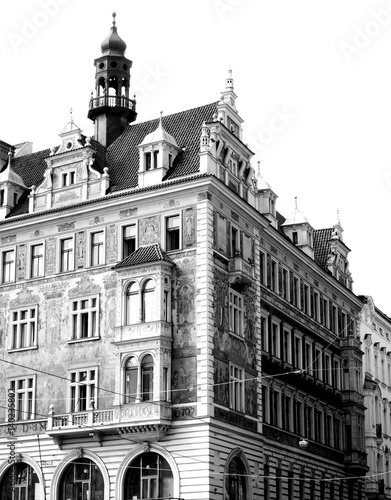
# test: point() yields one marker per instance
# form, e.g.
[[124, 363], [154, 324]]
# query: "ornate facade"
[[164, 331]]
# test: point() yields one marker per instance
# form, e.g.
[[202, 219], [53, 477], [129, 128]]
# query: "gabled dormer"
[[69, 176], [11, 188], [226, 108], [222, 152], [157, 152], [300, 231], [337, 259], [267, 199]]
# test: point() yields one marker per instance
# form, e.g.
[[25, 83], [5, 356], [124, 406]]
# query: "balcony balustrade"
[[112, 101], [240, 270]]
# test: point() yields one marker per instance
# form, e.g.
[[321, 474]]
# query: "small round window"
[[69, 145], [101, 65], [113, 64]]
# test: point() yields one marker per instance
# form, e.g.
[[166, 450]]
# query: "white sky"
[[309, 60]]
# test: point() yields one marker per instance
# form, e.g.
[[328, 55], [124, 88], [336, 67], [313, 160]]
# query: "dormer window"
[[1, 197], [15, 198], [148, 163], [68, 178], [170, 160], [295, 238], [155, 157]]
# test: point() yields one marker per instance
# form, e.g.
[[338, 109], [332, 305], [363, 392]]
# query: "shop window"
[[81, 480], [148, 476], [20, 482], [236, 479]]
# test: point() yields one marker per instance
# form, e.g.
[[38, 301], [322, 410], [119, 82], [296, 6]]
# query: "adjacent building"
[[165, 332]]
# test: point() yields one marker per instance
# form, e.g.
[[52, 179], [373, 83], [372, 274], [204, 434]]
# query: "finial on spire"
[[296, 202], [338, 217], [259, 169], [10, 156], [114, 16], [229, 82]]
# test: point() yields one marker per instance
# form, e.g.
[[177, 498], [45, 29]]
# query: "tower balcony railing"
[[112, 101]]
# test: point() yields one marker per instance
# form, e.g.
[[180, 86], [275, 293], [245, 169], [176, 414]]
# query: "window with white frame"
[[36, 260], [8, 266], [139, 379], [141, 300], [24, 327], [68, 178], [97, 248], [148, 305], [236, 388], [235, 312], [67, 255], [82, 389], [128, 240], [173, 232], [84, 317], [24, 390]]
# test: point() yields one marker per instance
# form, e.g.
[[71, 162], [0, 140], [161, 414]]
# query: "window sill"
[[18, 349], [87, 339]]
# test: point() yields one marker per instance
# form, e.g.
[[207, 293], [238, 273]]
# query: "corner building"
[[165, 333]]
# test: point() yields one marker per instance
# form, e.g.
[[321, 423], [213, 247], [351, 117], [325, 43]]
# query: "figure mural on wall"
[[249, 314], [184, 377], [189, 227], [250, 397], [221, 233], [149, 230], [81, 249], [220, 300], [221, 383], [51, 255], [186, 304], [21, 262], [111, 243]]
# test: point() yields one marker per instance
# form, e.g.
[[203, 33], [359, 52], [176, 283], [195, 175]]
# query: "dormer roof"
[[144, 255], [9, 175], [159, 135]]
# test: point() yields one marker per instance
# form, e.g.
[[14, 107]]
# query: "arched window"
[[131, 374], [24, 480], [81, 479], [132, 303], [148, 301], [236, 480], [113, 86], [147, 378], [148, 476], [101, 86]]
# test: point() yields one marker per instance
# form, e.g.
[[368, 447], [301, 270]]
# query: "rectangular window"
[[327, 369], [275, 340], [24, 389], [236, 388], [317, 363], [173, 233], [82, 389], [298, 352], [287, 346], [97, 248], [274, 276], [128, 240], [155, 159], [36, 260], [296, 291], [264, 334], [235, 247], [235, 312], [67, 259], [84, 318], [308, 357], [8, 266], [1, 197], [148, 162], [262, 266], [24, 328], [285, 284]]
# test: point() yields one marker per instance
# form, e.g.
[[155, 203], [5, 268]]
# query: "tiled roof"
[[185, 127], [322, 245], [144, 255]]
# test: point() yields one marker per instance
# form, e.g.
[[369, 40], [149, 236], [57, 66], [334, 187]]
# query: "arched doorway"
[[81, 480], [20, 481], [148, 476]]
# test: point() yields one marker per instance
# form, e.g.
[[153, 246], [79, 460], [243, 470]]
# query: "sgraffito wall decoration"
[[21, 262], [111, 243], [81, 249], [149, 230], [50, 260], [184, 354], [232, 348], [189, 229]]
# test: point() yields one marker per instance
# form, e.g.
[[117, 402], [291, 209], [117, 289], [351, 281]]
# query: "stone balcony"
[[136, 331], [144, 421], [240, 270]]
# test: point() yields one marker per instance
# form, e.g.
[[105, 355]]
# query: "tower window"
[[1, 197], [15, 198], [295, 238]]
